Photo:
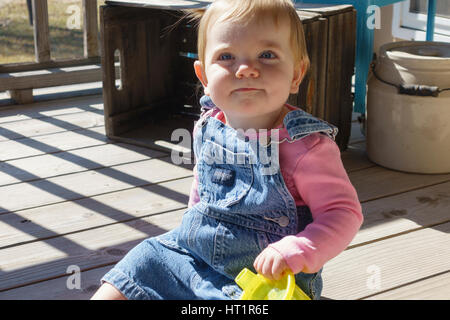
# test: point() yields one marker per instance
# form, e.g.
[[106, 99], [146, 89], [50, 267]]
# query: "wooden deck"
[[70, 199]]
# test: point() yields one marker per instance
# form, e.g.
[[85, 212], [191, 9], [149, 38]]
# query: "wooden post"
[[23, 96], [41, 47], [90, 34], [41, 32]]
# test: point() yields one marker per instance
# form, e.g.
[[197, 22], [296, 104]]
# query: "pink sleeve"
[[193, 197], [324, 186]]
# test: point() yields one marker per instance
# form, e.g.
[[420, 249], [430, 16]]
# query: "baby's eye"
[[225, 56], [267, 55]]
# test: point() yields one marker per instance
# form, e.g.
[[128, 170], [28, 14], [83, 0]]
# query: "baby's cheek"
[[218, 93]]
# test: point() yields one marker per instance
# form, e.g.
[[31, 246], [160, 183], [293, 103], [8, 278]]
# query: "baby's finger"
[[266, 268], [277, 269], [258, 263]]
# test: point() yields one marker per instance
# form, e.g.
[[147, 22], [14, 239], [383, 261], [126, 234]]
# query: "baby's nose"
[[246, 70]]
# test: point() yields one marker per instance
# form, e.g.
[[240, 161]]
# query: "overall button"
[[283, 221]]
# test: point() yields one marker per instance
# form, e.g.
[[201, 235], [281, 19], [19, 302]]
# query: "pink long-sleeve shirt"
[[315, 176]]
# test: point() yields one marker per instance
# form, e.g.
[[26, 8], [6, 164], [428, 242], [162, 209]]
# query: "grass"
[[16, 33]]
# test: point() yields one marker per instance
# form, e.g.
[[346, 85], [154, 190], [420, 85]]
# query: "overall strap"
[[300, 124]]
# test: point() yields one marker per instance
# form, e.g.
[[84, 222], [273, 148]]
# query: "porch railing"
[[19, 79]]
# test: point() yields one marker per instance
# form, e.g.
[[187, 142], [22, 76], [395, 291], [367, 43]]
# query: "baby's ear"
[[200, 73], [299, 73]]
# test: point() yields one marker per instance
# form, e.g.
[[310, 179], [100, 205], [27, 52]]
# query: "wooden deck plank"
[[433, 288], [67, 162], [378, 182], [51, 108], [48, 125], [391, 216], [57, 289], [355, 157], [38, 261], [94, 212], [90, 183], [64, 141], [376, 267]]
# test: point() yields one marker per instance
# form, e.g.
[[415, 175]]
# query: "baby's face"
[[249, 70]]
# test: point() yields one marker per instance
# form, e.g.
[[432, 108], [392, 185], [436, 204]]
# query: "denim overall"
[[244, 206]]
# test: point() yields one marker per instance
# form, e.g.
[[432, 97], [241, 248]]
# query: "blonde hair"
[[243, 11]]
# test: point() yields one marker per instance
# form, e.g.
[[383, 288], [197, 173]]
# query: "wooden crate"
[[159, 91], [326, 92]]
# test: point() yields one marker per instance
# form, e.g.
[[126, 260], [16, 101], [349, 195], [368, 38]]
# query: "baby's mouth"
[[246, 90]]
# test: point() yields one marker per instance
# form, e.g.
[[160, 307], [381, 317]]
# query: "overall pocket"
[[235, 248], [225, 177]]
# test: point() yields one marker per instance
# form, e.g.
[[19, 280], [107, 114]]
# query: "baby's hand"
[[271, 264]]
